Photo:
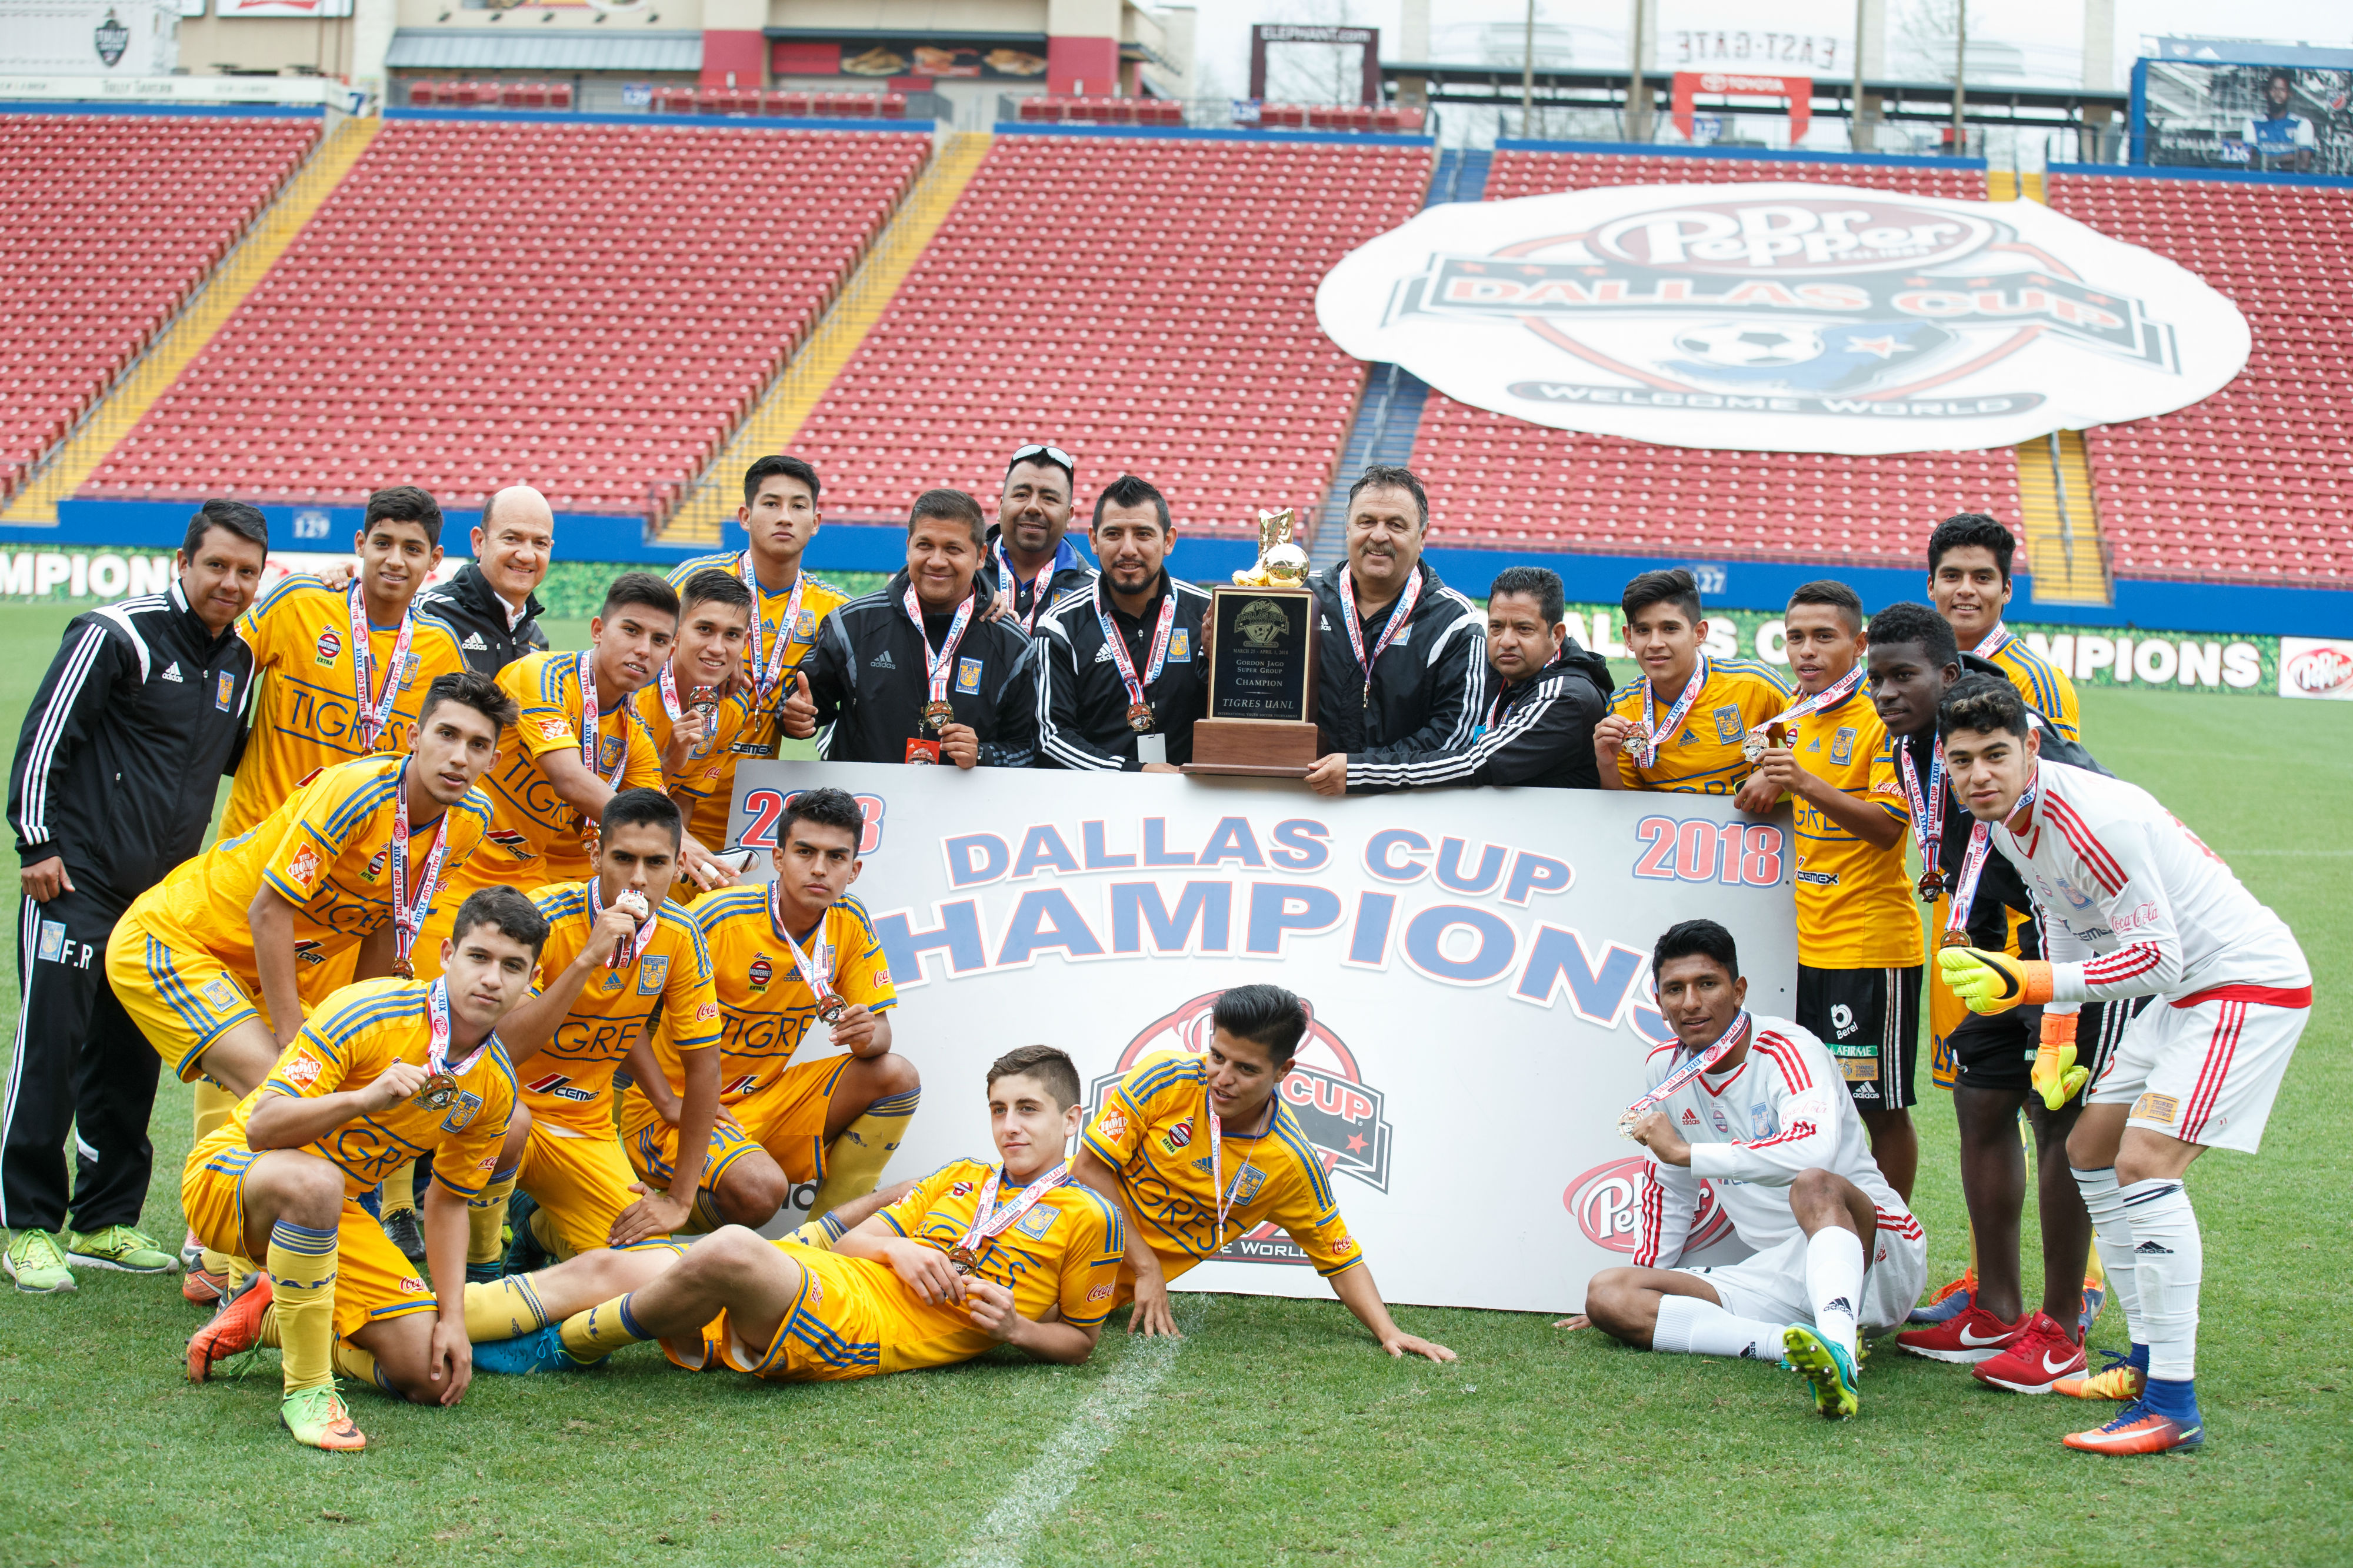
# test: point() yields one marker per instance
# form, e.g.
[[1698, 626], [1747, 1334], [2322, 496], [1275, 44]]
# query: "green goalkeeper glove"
[[2056, 1078], [1993, 982]]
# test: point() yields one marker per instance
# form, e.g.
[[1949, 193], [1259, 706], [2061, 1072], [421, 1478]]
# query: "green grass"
[[1278, 1436]]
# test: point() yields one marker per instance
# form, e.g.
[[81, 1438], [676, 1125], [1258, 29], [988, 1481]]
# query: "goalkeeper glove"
[[2056, 1078], [1993, 982]]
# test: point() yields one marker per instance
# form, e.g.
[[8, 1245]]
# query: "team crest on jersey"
[[330, 646], [225, 689], [1729, 726], [462, 1111], [222, 994], [761, 973], [1762, 1122], [409, 672], [652, 970], [968, 674], [1037, 1221], [1180, 645], [1842, 747]]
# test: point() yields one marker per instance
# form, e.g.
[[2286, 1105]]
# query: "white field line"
[[1003, 1537]]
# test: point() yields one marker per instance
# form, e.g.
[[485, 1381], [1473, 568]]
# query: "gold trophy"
[[1280, 562]]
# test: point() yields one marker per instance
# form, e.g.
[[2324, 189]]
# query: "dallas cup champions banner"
[[1784, 318], [1476, 963]]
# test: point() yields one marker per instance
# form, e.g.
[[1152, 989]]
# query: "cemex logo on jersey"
[[1340, 1113], [1606, 1202], [561, 1087]]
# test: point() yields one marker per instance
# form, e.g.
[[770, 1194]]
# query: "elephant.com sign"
[[1476, 964]]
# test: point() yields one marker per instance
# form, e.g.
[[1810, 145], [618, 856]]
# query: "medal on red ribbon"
[[1682, 1075], [989, 1222], [1400, 615], [409, 914], [1993, 642], [704, 702], [816, 965], [1139, 704], [624, 952], [1644, 748], [1973, 864], [938, 713], [440, 1079], [374, 708], [1928, 825], [1759, 739], [1009, 585], [768, 676]]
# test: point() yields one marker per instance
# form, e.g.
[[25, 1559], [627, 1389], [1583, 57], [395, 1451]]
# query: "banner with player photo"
[[1476, 964], [2266, 118]]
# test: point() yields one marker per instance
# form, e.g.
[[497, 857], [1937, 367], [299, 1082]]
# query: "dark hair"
[[1129, 490], [238, 518], [713, 586], [769, 468], [1386, 476], [1965, 529], [642, 808], [505, 910], [952, 506], [1049, 1063], [1043, 459], [1982, 702], [1272, 1017], [1837, 596], [1697, 939], [1919, 624], [1535, 583], [404, 503], [640, 588], [827, 808], [475, 690], [1674, 586]]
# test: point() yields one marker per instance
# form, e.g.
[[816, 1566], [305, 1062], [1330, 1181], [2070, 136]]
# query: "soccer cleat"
[[2096, 1296], [2137, 1429], [202, 1286], [1837, 1388], [2036, 1359], [235, 1328], [524, 1254], [192, 1254], [542, 1350], [407, 1234], [317, 1418], [1975, 1335], [488, 1273], [2120, 1379], [122, 1248], [1946, 1304], [34, 1262]]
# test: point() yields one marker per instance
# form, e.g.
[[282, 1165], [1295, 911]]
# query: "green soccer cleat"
[[1837, 1387], [36, 1265], [120, 1247], [317, 1419]]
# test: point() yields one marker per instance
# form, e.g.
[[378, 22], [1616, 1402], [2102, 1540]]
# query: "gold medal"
[[439, 1090], [831, 1006], [1139, 717], [1953, 939], [938, 716], [963, 1258], [1753, 746], [1932, 885]]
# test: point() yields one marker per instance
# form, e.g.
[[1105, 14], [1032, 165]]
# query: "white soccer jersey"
[[2132, 904], [1784, 1110]]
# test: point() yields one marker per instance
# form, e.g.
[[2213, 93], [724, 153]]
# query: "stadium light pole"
[[1960, 73], [1638, 111], [1528, 69], [1854, 105]]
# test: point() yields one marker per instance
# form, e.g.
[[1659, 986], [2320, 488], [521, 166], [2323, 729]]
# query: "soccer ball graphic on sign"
[[1750, 345]]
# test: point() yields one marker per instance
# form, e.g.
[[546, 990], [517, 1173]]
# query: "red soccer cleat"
[[2137, 1429], [1976, 1335], [235, 1328], [203, 1287], [2036, 1359]]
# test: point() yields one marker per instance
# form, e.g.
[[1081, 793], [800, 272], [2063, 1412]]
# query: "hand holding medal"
[[1705, 1061]]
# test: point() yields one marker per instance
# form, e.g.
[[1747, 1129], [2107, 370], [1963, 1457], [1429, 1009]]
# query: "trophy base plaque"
[[1262, 716], [1253, 748]]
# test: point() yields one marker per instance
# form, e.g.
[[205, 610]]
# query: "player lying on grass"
[[389, 1071], [1198, 1150], [1756, 1106], [971, 1256], [2132, 904]]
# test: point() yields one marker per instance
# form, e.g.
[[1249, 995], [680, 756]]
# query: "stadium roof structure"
[[418, 49]]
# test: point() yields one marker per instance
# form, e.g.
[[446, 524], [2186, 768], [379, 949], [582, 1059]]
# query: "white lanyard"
[[1993, 642], [1008, 585], [1644, 747], [1928, 814], [591, 740], [440, 1079], [639, 909], [375, 709], [1139, 704], [1225, 1195], [816, 965], [1973, 864], [937, 711], [1754, 744]]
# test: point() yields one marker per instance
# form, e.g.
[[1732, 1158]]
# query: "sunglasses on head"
[[1051, 453]]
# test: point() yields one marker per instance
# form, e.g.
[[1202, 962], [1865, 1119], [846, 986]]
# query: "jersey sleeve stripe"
[[1786, 1056], [2087, 848]]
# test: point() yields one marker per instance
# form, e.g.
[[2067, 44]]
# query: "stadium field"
[[1274, 1434]]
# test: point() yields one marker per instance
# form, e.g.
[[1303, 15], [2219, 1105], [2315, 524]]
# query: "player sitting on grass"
[[388, 1070], [1793, 1172], [2133, 905], [1197, 1150], [971, 1256]]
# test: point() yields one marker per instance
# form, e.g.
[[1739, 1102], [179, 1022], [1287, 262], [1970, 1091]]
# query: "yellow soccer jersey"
[[1703, 757], [348, 1042], [819, 599], [1855, 903], [531, 826], [2042, 684], [708, 780], [306, 711], [327, 851], [1154, 1130], [1063, 1255], [571, 1081], [766, 1010]]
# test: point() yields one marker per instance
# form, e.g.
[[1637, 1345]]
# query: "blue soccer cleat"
[[542, 1350], [2095, 1297], [488, 1273], [1828, 1366]]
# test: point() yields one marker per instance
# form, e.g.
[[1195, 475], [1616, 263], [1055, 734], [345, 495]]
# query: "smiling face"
[[1699, 999], [941, 561], [1034, 513], [1991, 769], [631, 643], [487, 972], [221, 578], [780, 520], [1242, 1074], [709, 643], [1519, 642], [1030, 1130], [1384, 539], [1665, 638], [454, 746], [395, 559], [814, 865], [1906, 686], [1131, 544], [1822, 648], [1968, 590], [515, 541]]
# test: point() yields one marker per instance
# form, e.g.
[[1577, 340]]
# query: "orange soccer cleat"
[[234, 1330], [2137, 1429]]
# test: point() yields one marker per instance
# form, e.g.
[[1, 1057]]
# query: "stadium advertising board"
[[1784, 317], [1476, 963], [2270, 119]]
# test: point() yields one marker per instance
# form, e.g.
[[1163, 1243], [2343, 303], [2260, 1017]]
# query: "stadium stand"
[[2252, 481], [1147, 304], [1500, 483], [112, 221], [588, 309]]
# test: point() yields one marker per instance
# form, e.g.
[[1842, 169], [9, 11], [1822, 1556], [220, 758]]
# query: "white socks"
[[2112, 1232], [1834, 1283], [2168, 1259], [1690, 1326]]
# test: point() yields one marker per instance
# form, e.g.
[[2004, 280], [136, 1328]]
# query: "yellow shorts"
[[832, 1331], [373, 1283], [579, 1180], [182, 998], [786, 1118]]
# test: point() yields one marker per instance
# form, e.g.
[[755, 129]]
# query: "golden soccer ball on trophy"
[[1280, 562]]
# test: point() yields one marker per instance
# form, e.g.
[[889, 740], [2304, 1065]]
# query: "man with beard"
[[1030, 566]]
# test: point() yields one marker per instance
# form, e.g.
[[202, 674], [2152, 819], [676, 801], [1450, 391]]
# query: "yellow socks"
[[854, 1161], [214, 1106], [485, 1217], [820, 1233], [601, 1330], [507, 1308], [356, 1363], [301, 1267], [400, 1189]]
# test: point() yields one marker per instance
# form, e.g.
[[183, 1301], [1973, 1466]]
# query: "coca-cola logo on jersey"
[[1607, 1205]]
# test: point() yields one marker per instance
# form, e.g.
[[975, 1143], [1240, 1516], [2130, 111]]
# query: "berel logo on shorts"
[[1605, 1202], [2156, 1108]]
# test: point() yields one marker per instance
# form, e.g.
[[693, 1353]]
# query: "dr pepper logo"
[[1340, 1113], [2320, 672], [1607, 1204]]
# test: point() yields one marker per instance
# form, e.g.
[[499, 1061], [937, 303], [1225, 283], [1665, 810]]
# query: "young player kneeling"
[[1800, 1187], [972, 1256]]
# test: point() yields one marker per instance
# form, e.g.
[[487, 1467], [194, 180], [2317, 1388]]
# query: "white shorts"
[[1771, 1285], [2206, 1068]]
